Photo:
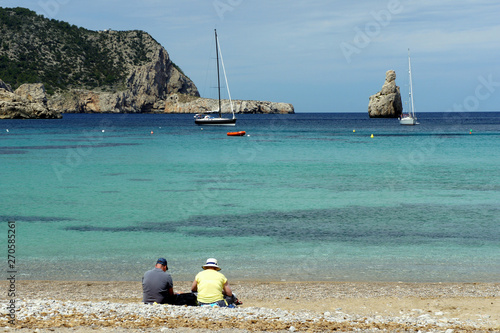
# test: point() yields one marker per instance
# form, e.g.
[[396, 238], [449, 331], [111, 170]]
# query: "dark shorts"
[[228, 301]]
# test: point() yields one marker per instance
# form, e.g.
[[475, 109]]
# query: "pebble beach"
[[85, 306]]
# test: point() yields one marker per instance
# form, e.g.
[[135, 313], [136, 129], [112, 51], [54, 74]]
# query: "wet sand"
[[295, 306]]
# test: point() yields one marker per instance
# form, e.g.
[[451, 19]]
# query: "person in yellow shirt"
[[212, 286]]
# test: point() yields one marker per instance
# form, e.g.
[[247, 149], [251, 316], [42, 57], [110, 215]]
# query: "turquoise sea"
[[309, 196]]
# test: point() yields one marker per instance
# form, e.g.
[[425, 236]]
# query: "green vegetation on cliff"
[[34, 49]]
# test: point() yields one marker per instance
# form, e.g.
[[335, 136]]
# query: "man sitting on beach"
[[158, 287], [212, 286]]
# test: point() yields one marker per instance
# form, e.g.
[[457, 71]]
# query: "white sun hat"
[[211, 262]]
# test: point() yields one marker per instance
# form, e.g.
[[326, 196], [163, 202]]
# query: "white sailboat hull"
[[408, 120]]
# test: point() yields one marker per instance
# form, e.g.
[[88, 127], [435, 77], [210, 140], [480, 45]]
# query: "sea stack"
[[387, 102]]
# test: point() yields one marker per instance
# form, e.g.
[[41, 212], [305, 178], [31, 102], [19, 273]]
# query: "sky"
[[319, 55]]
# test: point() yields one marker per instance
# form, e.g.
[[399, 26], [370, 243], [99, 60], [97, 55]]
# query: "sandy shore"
[[267, 306]]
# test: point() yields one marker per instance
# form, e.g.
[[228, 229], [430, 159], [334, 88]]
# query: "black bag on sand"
[[186, 299]]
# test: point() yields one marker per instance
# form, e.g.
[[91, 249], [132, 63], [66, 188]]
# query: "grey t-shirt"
[[155, 286]]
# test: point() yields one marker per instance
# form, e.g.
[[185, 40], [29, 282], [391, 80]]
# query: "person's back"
[[210, 286], [157, 285]]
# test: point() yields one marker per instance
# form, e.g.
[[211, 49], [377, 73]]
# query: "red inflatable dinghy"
[[239, 133]]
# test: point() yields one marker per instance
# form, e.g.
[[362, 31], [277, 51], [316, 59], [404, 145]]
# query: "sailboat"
[[409, 118], [206, 118]]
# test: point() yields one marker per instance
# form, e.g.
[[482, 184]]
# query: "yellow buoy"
[[354, 131], [371, 136]]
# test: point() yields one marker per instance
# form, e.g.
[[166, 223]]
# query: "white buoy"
[[103, 131], [7, 130]]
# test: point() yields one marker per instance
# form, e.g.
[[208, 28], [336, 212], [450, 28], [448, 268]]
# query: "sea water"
[[309, 196]]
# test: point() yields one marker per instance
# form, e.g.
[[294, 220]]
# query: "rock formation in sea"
[[180, 104], [387, 102], [29, 101]]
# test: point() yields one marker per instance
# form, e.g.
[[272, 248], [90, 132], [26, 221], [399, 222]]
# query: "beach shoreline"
[[82, 306]]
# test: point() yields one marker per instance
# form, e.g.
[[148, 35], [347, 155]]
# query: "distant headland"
[[84, 71]]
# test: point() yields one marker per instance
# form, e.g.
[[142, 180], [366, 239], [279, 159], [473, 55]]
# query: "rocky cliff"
[[146, 86], [84, 70], [29, 101], [387, 102], [177, 103]]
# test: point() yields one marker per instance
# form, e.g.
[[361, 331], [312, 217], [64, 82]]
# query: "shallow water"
[[303, 197]]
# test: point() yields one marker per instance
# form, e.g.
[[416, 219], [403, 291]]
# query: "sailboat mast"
[[218, 75], [412, 111], [227, 84]]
